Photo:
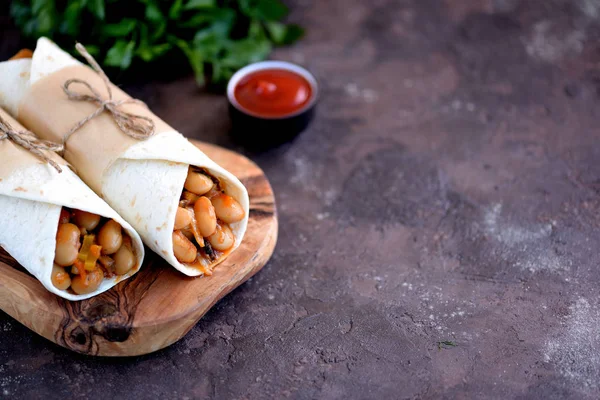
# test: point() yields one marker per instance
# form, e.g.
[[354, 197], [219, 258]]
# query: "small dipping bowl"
[[270, 103]]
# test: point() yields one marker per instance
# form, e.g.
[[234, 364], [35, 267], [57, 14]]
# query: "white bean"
[[206, 218], [86, 220], [110, 237], [60, 278], [222, 239], [92, 280], [67, 244], [183, 218], [198, 183], [124, 260], [227, 208], [184, 250]]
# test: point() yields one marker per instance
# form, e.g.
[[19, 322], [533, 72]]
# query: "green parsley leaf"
[[97, 8], [120, 54], [153, 13], [199, 4], [175, 10], [216, 37], [194, 57], [120, 29], [292, 35], [266, 10]]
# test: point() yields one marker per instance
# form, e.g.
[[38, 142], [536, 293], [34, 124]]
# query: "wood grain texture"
[[158, 305]]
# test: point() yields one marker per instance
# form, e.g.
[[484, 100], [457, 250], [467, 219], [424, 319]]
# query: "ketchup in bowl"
[[273, 92], [270, 102]]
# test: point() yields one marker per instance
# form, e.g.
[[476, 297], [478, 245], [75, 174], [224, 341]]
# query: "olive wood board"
[[157, 306]]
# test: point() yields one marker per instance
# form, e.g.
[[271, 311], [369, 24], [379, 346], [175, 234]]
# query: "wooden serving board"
[[158, 305]]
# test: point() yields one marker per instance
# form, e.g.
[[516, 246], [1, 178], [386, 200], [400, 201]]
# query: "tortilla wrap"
[[32, 194], [141, 180]]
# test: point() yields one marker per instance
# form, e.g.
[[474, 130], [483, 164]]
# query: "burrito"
[[57, 227], [186, 208]]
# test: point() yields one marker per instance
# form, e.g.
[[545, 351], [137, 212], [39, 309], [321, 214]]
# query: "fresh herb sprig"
[[216, 37]]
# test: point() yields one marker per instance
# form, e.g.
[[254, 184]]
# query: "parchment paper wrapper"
[[141, 180], [32, 194]]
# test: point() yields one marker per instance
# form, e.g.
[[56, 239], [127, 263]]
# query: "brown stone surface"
[[448, 190]]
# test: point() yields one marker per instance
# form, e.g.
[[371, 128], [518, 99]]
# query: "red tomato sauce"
[[273, 92]]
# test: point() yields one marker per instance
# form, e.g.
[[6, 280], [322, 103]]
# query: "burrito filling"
[[89, 248], [202, 234]]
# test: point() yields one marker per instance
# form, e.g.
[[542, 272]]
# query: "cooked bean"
[[60, 278], [227, 208], [184, 250], [183, 217], [86, 220], [124, 260], [127, 241], [206, 218], [92, 280], [198, 183], [67, 244], [222, 239], [110, 237]]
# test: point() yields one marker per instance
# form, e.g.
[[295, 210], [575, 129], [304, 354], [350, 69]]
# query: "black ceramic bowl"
[[257, 131]]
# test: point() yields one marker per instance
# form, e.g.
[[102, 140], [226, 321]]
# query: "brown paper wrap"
[[47, 111], [13, 157]]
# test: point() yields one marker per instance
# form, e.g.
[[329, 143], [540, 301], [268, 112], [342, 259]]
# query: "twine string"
[[30, 142], [136, 126]]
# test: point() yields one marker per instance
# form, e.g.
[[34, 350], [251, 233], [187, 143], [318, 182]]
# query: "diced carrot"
[[81, 268], [95, 251]]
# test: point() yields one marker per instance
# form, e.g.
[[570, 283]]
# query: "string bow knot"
[[136, 126], [30, 142]]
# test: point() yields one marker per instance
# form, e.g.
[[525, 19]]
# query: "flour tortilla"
[[143, 182], [32, 194]]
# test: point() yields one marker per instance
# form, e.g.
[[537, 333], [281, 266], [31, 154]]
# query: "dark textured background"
[[448, 190]]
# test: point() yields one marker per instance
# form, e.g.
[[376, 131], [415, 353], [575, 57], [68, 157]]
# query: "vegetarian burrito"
[[186, 208], [57, 227]]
